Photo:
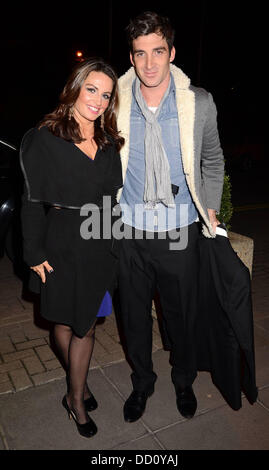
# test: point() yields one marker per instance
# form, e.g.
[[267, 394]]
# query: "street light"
[[79, 56]]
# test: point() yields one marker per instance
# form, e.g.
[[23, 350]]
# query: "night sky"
[[219, 45]]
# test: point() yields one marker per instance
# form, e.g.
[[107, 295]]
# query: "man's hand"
[[40, 269], [213, 219]]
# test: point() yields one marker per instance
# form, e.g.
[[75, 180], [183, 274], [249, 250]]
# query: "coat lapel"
[[186, 118], [186, 115], [123, 118]]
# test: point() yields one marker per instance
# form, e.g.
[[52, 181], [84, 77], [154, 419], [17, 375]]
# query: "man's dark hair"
[[147, 23]]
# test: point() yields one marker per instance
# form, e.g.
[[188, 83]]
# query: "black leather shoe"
[[186, 402], [135, 405], [90, 403]]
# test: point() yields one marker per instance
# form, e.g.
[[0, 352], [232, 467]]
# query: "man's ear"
[[172, 54], [131, 58]]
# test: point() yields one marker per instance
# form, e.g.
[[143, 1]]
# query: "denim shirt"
[[161, 218]]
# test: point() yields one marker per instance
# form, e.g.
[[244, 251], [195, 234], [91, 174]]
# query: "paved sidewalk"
[[32, 381]]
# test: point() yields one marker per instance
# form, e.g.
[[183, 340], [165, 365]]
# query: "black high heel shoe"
[[90, 403], [88, 429]]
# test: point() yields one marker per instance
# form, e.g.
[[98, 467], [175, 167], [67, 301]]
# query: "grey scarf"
[[157, 169]]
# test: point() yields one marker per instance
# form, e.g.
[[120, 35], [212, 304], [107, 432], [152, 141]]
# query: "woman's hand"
[[40, 269]]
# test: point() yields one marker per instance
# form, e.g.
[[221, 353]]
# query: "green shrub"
[[226, 209]]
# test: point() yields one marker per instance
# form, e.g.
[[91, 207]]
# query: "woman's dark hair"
[[147, 23], [61, 122]]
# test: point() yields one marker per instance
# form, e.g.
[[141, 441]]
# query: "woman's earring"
[[102, 124]]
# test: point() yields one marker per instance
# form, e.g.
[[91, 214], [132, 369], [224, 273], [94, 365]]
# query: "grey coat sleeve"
[[212, 161]]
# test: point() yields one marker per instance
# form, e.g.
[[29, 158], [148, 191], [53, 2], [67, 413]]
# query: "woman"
[[72, 159]]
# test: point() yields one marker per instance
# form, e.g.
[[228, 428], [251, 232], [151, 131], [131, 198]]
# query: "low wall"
[[244, 247]]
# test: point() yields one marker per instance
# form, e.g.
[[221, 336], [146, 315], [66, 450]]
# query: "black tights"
[[76, 353]]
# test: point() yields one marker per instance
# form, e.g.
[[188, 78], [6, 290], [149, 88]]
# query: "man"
[[173, 175]]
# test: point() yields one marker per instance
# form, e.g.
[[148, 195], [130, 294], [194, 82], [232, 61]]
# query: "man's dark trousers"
[[147, 265]]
